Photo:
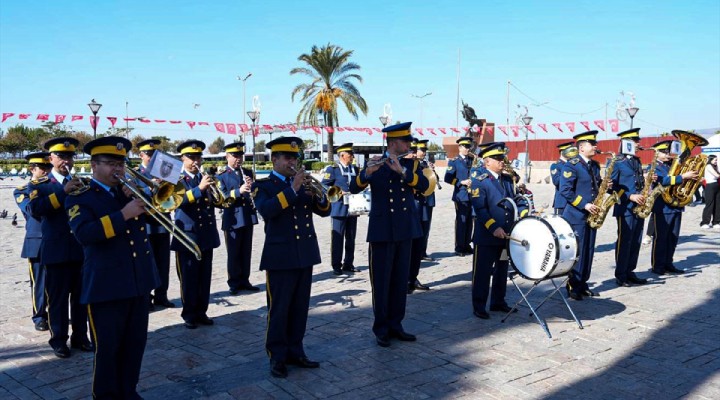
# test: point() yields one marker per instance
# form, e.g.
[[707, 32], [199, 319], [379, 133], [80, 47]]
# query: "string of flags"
[[234, 129]]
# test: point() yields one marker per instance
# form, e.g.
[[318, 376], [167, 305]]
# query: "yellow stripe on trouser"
[[179, 272], [652, 253], [34, 288], [94, 333], [269, 302], [370, 268], [47, 300], [474, 268], [619, 239]]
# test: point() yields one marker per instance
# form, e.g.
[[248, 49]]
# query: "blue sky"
[[164, 56]]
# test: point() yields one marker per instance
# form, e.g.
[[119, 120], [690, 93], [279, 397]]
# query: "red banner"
[[432, 130], [316, 129], [175, 122], [220, 127], [586, 124], [59, 119], [244, 128], [76, 118], [515, 130], [503, 129], [129, 119], [24, 116], [203, 123], [456, 130], [339, 129], [43, 117], [330, 129], [293, 129], [529, 128], [614, 125], [144, 120], [557, 125], [543, 127], [160, 121], [231, 129], [93, 121], [191, 124], [419, 131], [600, 124], [571, 126], [112, 120], [443, 131], [6, 116]]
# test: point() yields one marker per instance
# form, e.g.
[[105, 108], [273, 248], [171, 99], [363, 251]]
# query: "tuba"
[[682, 194], [603, 199]]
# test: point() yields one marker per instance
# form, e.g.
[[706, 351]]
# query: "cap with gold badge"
[[465, 141], [114, 146], [422, 144], [148, 145], [588, 136], [41, 158], [346, 147], [630, 134], [399, 131], [289, 145], [494, 149], [235, 148], [62, 145], [191, 147]]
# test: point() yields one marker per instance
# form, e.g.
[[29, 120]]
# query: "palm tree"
[[333, 77]]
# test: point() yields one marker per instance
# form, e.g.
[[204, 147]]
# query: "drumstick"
[[521, 241]]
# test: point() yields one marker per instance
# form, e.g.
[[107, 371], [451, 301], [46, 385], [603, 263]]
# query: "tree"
[[332, 76], [434, 147], [216, 146], [260, 146], [309, 144]]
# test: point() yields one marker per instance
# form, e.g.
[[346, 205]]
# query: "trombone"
[[333, 193], [157, 212]]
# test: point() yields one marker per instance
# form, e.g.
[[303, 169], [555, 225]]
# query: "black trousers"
[[667, 234], [580, 273], [119, 329], [239, 249], [344, 230], [389, 269], [37, 286], [627, 246], [419, 246], [288, 300], [195, 279], [160, 243], [62, 285], [463, 226], [711, 212], [426, 223], [486, 264]]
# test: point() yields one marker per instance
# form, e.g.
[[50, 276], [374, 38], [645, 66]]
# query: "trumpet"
[[381, 161], [333, 193], [217, 197], [163, 220], [83, 182]]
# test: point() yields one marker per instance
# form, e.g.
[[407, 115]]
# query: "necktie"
[[115, 191]]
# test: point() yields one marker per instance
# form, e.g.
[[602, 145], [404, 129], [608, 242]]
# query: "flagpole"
[[457, 99], [507, 115], [606, 120]]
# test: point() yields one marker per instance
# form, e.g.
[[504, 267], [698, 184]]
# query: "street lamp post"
[[253, 115], [631, 113], [94, 107], [527, 120], [421, 105], [243, 82], [384, 121]]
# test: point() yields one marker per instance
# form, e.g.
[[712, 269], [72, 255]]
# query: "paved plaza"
[[659, 341]]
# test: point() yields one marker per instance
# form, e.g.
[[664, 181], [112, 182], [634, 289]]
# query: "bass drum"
[[358, 204], [551, 249]]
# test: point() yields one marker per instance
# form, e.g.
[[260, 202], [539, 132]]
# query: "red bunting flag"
[[59, 119], [330, 129], [175, 122], [368, 131], [112, 120], [377, 129], [6, 116], [339, 129], [586, 124], [126, 119], [466, 128], [244, 128], [600, 124], [24, 116], [456, 130], [349, 129], [267, 127], [503, 129], [571, 126], [93, 121], [360, 129], [543, 127], [490, 129], [219, 127], [558, 126], [43, 117], [432, 130], [316, 129], [160, 121], [515, 130], [256, 131], [144, 120], [231, 129], [76, 118], [529, 128], [191, 124], [419, 131], [203, 123], [444, 132], [293, 128], [614, 125]]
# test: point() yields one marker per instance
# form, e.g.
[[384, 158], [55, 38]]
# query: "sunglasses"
[[64, 156], [498, 157]]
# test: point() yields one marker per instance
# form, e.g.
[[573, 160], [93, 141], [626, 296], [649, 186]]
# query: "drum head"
[[536, 260]]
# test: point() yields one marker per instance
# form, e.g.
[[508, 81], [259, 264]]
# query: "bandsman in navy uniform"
[[393, 224], [119, 269], [39, 165], [666, 218], [195, 217], [289, 254], [628, 180], [239, 219], [425, 205], [579, 183], [458, 175], [559, 201], [344, 227], [158, 236], [494, 219], [60, 252]]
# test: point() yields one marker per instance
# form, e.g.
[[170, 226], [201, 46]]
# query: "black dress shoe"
[[250, 288], [574, 295], [460, 254], [674, 270], [622, 283], [41, 326], [403, 336], [303, 362], [350, 269], [278, 369], [420, 286], [204, 320], [481, 314], [163, 302], [636, 280], [658, 271], [234, 292], [337, 271], [410, 288], [383, 341], [61, 351], [190, 325], [428, 258], [589, 293], [503, 308], [82, 344]]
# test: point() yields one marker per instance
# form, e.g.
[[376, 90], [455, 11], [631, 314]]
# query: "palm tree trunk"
[[330, 143]]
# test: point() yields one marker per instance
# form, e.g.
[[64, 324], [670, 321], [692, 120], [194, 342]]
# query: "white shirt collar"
[[58, 177], [494, 174]]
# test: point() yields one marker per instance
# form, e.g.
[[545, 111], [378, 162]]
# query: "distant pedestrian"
[[711, 213]]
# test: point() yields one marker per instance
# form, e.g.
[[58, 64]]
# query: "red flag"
[[316, 129], [600, 124], [368, 131], [444, 132], [456, 130], [503, 129], [419, 131], [6, 116], [160, 121], [59, 119], [614, 125], [349, 129], [219, 127], [557, 125], [586, 124], [76, 118], [293, 128], [515, 130], [175, 122], [143, 120], [24, 116], [244, 128], [267, 127], [93, 121], [529, 128], [112, 120], [256, 131], [231, 129], [43, 117], [543, 127], [384, 136], [466, 128], [377, 129], [571, 126], [432, 130], [191, 124], [203, 123], [126, 119], [490, 129], [360, 129], [330, 129], [339, 129]]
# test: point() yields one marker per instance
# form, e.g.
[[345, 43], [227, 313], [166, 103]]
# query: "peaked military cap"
[[494, 149], [191, 147], [589, 136], [287, 144], [422, 144], [399, 131], [237, 147], [62, 145], [630, 134], [108, 145], [149, 145], [465, 141], [663, 145], [344, 147], [39, 158], [563, 146]]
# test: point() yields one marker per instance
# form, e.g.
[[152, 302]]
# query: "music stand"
[[524, 297]]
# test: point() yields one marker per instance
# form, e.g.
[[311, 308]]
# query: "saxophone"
[[604, 200], [644, 210]]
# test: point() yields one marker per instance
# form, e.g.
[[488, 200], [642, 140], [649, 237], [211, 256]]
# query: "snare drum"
[[551, 249], [359, 204]]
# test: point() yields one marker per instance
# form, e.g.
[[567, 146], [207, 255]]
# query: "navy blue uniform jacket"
[[486, 196], [119, 263], [579, 186], [627, 179], [555, 172], [241, 213], [662, 172], [458, 170], [333, 175], [290, 239], [196, 217], [33, 228]]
